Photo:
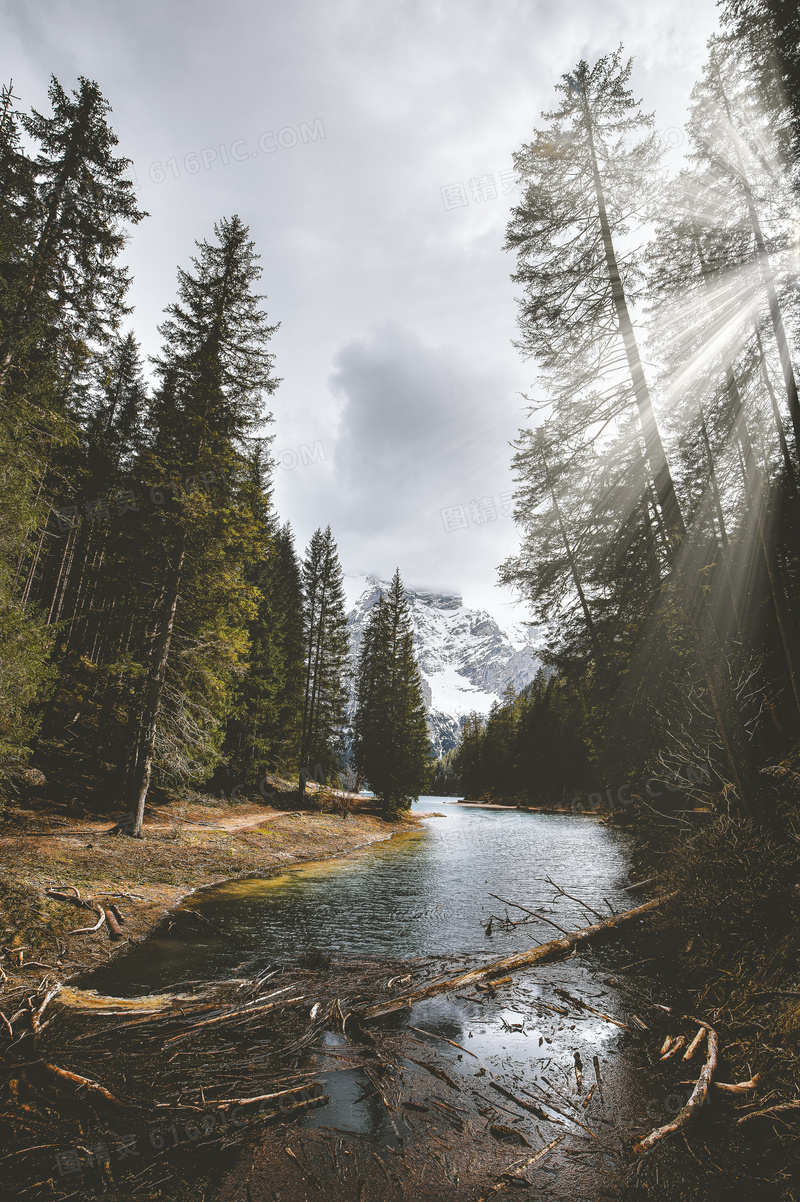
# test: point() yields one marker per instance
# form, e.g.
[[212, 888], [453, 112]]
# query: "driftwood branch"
[[313, 1088], [97, 925], [695, 1044], [738, 1086], [79, 1082], [517, 1175], [556, 949], [782, 1108], [580, 901], [698, 1097], [517, 906]]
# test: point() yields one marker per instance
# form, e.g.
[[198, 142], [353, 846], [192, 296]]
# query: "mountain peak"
[[466, 658]]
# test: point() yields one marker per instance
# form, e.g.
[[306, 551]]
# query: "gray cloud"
[[396, 314]]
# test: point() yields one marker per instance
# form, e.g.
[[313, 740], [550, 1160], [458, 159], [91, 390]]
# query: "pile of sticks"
[[108, 912]]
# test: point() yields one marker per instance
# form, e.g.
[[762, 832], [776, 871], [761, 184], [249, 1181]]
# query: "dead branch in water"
[[554, 950], [698, 1096]]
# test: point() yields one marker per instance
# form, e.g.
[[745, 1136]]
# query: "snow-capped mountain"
[[466, 658]]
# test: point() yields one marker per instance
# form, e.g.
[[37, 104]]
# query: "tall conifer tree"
[[391, 747], [212, 372], [326, 660]]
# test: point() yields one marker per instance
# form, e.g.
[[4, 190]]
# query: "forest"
[[157, 623], [657, 485]]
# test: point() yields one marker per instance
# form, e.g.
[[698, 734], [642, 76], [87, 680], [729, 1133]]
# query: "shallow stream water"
[[422, 893], [429, 893]]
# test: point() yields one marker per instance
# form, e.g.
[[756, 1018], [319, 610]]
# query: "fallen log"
[[556, 949], [698, 1096], [114, 929]]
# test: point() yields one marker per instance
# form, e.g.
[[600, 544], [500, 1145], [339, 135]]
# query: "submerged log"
[[556, 949]]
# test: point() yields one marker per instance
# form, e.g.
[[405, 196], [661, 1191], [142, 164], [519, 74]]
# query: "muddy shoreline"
[[186, 849], [437, 1125]]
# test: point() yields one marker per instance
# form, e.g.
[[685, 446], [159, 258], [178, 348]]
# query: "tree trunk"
[[791, 474], [571, 558], [141, 768], [654, 448], [556, 949]]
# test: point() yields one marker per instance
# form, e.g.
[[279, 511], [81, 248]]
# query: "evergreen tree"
[[391, 748], [326, 654], [62, 225], [263, 730], [768, 32], [68, 279], [212, 373], [576, 320]]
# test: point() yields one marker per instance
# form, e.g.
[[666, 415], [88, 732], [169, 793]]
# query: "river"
[[428, 892], [421, 893]]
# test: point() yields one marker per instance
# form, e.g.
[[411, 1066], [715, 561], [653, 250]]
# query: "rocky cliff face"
[[466, 658]]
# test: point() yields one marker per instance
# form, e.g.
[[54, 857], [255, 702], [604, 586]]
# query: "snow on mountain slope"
[[466, 659]]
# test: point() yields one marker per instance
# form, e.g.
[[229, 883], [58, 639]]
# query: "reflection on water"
[[421, 893], [429, 893]]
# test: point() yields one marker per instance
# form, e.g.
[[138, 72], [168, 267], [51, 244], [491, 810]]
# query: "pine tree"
[[391, 747], [62, 219], [263, 730], [768, 31], [326, 652], [69, 278], [576, 320], [212, 373]]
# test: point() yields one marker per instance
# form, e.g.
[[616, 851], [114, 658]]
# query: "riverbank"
[[279, 1084], [187, 845]]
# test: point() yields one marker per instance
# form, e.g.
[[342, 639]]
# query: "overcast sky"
[[331, 129]]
